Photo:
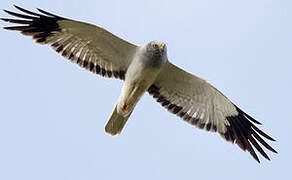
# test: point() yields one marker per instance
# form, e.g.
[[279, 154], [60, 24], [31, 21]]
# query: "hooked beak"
[[161, 47]]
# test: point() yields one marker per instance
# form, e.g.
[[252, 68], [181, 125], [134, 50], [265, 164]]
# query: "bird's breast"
[[141, 74], [138, 79]]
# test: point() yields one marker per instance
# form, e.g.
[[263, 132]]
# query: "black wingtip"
[[246, 115], [20, 15], [247, 135], [6, 11], [17, 21], [16, 6], [262, 133], [47, 13], [11, 28], [4, 19]]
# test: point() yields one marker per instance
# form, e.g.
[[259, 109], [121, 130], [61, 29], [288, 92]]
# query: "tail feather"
[[116, 122]]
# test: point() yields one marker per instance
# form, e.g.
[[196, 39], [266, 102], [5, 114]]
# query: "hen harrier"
[[143, 68]]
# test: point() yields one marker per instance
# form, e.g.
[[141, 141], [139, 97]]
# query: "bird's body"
[[144, 68], [141, 74]]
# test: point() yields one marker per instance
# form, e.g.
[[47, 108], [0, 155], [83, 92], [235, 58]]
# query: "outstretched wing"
[[200, 104], [90, 46]]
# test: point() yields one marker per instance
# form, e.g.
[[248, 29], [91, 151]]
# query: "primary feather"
[[143, 68]]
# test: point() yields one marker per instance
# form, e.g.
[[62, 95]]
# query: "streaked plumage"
[[143, 68]]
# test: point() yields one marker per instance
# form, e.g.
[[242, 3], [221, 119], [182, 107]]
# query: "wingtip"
[[49, 14], [246, 115], [4, 19], [6, 28], [252, 153], [256, 158], [44, 12], [16, 6], [6, 11], [273, 150]]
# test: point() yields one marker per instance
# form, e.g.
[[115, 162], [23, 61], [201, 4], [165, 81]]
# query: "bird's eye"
[[155, 46]]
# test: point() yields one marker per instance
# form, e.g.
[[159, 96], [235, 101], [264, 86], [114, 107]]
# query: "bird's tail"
[[116, 122]]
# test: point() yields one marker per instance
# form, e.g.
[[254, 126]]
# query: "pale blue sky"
[[53, 113]]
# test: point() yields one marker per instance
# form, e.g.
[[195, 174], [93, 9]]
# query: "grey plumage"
[[147, 63], [143, 68], [116, 122]]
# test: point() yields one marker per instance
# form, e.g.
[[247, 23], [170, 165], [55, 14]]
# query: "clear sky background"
[[53, 113]]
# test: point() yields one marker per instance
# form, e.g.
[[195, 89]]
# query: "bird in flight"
[[143, 68]]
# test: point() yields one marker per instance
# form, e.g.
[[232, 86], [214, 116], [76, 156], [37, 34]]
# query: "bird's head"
[[156, 48], [157, 51]]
